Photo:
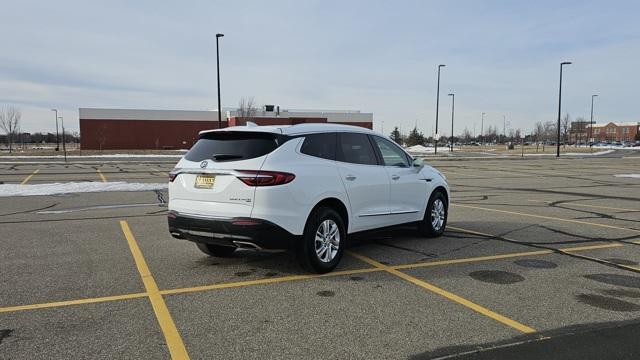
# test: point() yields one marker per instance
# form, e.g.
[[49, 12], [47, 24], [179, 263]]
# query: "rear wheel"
[[323, 240], [435, 217], [215, 250]]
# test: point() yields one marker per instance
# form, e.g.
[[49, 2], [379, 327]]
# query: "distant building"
[[578, 133], [119, 129], [626, 131]]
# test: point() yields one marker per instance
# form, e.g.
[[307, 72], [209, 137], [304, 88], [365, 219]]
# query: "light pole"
[[504, 128], [218, 36], [57, 140], [453, 104], [482, 129], [560, 107], [437, 106], [591, 125], [64, 147]]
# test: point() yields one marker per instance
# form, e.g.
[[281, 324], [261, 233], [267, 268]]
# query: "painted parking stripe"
[[169, 330], [266, 281], [449, 295], [587, 205], [283, 279], [104, 178], [29, 177], [547, 217], [72, 302]]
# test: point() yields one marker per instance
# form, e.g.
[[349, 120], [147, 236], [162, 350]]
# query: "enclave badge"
[[203, 164]]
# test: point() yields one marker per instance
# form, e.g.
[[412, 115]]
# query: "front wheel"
[[215, 250], [323, 240], [435, 217]]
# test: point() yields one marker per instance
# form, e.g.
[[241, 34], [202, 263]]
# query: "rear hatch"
[[214, 179]]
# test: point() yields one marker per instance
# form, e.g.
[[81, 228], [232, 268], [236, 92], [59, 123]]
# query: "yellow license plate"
[[204, 181]]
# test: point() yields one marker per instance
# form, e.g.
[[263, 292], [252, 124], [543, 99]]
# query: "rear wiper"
[[226, 156]]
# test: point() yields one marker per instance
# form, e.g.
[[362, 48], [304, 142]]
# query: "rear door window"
[[320, 145], [355, 148], [233, 146]]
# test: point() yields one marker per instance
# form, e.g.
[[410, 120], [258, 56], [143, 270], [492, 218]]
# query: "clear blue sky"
[[502, 58]]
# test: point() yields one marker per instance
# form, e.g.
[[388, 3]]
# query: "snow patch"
[[590, 154], [419, 149], [75, 187], [637, 176]]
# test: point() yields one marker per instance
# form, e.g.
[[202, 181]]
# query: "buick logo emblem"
[[203, 164]]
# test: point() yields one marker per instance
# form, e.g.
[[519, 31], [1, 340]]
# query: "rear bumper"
[[233, 232]]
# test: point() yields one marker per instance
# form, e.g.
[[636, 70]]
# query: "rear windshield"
[[233, 146]]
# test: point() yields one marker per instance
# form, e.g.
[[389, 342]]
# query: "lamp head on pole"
[[441, 65], [565, 63], [595, 95], [451, 94], [218, 35]]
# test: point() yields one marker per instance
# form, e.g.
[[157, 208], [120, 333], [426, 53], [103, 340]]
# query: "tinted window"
[[355, 148], [320, 145], [392, 155], [232, 146]]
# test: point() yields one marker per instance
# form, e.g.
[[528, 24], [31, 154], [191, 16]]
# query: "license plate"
[[204, 181]]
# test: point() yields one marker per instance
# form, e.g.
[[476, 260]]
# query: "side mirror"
[[418, 164]]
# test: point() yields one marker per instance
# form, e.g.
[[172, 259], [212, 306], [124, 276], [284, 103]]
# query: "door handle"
[[395, 177], [350, 177]]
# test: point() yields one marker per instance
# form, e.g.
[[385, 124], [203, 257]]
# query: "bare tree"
[[538, 133], [466, 134], [564, 126], [10, 123], [247, 110]]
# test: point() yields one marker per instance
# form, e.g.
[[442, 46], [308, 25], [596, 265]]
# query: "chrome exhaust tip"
[[246, 245]]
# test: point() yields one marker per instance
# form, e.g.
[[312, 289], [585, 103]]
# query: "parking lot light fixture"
[[57, 136], [218, 36], [591, 125], [560, 107], [64, 146], [435, 151], [453, 104]]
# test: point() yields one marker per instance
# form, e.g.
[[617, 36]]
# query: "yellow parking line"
[[160, 172], [547, 217], [567, 249], [603, 207], [459, 173], [29, 177], [469, 260], [104, 179], [264, 281], [449, 295], [282, 279], [171, 335], [71, 302], [590, 206]]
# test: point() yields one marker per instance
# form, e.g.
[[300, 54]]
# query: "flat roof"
[[212, 115]]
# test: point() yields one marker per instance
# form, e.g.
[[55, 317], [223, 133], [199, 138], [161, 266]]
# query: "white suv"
[[304, 187]]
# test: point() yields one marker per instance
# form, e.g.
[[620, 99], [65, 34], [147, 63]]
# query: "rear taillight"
[[173, 175], [264, 178]]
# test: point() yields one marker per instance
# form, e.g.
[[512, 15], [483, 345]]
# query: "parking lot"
[[540, 255]]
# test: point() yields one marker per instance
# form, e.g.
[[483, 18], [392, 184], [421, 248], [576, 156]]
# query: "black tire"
[[426, 226], [215, 250], [306, 251]]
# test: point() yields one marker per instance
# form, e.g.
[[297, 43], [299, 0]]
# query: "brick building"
[[111, 129], [614, 131]]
